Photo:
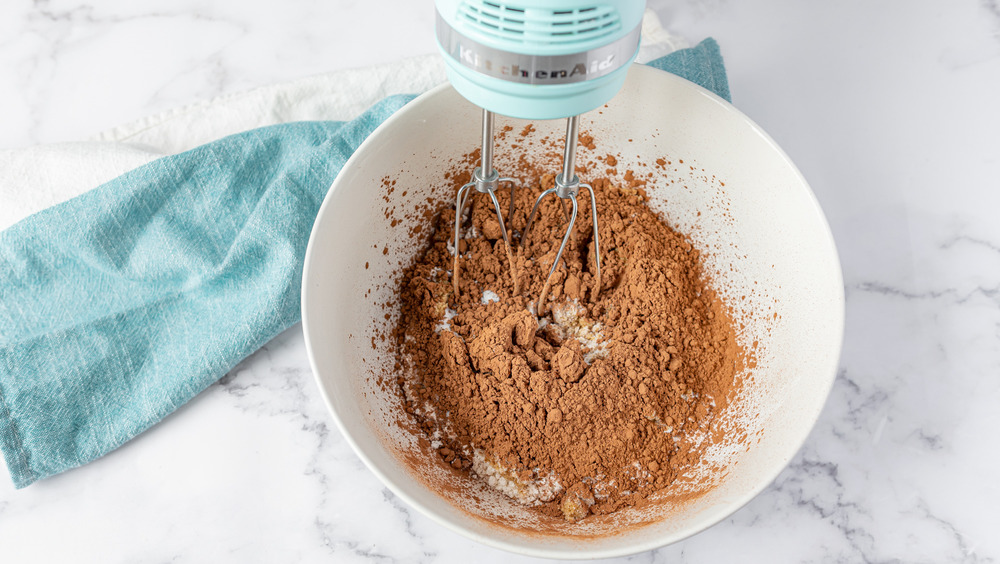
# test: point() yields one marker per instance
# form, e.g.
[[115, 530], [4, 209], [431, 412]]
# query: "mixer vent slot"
[[522, 23]]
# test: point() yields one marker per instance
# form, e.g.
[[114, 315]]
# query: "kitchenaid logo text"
[[568, 73]]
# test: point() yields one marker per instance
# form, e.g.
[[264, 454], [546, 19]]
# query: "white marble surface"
[[890, 110]]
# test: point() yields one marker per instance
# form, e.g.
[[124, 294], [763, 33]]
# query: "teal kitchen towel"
[[120, 305]]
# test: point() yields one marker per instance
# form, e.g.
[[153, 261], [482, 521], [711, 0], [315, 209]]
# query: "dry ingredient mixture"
[[594, 406]]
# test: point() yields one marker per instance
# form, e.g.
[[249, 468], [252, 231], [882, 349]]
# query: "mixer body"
[[538, 59]]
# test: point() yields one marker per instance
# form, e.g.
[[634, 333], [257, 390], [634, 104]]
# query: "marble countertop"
[[889, 109]]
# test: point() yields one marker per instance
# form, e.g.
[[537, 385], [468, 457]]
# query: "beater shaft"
[[569, 150]]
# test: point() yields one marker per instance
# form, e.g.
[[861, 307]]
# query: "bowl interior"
[[728, 186]]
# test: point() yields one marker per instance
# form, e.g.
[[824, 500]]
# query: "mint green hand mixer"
[[536, 59]]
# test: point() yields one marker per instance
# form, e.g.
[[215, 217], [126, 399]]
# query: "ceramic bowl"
[[737, 195]]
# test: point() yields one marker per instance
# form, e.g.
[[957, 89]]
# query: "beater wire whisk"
[[567, 186], [485, 180]]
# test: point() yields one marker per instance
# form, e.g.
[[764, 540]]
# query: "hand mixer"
[[536, 59]]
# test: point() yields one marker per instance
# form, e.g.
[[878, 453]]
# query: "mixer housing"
[[543, 59]]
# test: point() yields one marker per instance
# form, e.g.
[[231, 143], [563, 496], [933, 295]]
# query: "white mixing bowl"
[[737, 195]]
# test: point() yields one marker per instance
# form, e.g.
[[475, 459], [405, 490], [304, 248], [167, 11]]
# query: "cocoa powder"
[[599, 403]]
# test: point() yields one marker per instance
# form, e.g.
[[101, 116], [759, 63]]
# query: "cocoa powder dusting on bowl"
[[594, 406]]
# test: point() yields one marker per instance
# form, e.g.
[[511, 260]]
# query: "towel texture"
[[118, 306]]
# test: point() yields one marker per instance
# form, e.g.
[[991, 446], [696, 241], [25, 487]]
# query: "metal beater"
[[567, 186], [484, 183]]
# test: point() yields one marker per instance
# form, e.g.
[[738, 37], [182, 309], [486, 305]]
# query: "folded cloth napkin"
[[119, 305]]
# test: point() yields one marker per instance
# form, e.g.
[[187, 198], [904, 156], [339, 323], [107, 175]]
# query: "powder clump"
[[595, 405]]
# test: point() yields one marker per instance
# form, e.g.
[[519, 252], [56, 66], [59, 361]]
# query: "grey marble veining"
[[889, 109]]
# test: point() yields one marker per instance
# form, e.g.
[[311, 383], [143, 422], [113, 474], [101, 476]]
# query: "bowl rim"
[[639, 547]]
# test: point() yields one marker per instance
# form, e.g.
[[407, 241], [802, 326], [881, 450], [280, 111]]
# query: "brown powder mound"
[[594, 406]]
